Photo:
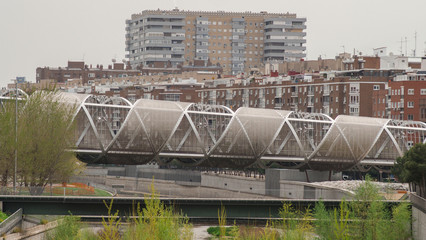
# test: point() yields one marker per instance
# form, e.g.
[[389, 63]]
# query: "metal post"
[[16, 135]]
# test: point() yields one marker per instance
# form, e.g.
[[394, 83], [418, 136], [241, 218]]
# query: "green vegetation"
[[154, 222], [366, 217], [45, 133], [70, 228], [157, 222], [411, 168], [3, 216]]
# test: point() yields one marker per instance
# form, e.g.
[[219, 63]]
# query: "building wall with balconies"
[[233, 40]]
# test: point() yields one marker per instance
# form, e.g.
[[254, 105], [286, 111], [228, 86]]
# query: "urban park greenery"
[[365, 217], [45, 135]]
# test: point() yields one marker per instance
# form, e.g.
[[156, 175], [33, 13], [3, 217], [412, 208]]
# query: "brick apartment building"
[[343, 62], [348, 92], [237, 41], [180, 92], [407, 97], [78, 70], [358, 92]]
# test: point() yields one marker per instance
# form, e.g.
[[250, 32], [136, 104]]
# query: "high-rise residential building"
[[237, 41]]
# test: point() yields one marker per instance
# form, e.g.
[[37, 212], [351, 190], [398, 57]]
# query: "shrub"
[[67, 229], [3, 216], [157, 221]]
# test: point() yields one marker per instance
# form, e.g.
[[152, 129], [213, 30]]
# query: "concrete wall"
[[418, 217], [146, 172], [142, 186], [301, 190], [300, 176], [281, 183], [233, 183], [177, 175], [292, 184]]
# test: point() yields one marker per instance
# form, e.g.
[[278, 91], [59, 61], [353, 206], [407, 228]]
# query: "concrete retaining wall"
[[11, 222], [418, 217], [301, 190], [233, 183], [178, 182], [292, 183]]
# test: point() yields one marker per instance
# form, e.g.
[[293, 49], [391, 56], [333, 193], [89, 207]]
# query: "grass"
[[3, 216], [102, 193]]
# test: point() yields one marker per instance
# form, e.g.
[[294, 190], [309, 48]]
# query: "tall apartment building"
[[237, 41]]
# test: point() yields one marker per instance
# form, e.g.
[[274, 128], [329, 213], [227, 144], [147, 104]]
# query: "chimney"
[[423, 66], [109, 67], [101, 67]]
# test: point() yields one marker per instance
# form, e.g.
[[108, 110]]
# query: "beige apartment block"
[[237, 41]]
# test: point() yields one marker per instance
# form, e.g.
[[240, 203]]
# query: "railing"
[[68, 189]]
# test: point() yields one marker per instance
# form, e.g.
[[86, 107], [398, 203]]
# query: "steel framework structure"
[[112, 130], [115, 131]]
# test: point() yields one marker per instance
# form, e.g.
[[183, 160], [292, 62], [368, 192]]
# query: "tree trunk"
[[36, 190]]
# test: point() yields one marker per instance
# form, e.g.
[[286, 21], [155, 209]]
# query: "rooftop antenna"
[[401, 47], [424, 51], [406, 46], [415, 43]]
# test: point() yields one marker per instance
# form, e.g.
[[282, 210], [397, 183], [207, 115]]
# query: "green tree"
[[7, 141], [45, 136], [411, 168]]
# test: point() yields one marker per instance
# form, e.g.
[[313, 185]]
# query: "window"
[[423, 91], [410, 104], [410, 91], [410, 117], [376, 87]]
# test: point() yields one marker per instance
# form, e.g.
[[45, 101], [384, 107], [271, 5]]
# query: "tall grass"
[[221, 215], [111, 224], [70, 228], [157, 222]]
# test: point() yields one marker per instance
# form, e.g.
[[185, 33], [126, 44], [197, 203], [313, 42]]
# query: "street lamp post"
[[18, 80], [16, 135]]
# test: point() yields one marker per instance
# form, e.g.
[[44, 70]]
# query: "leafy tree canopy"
[[411, 167]]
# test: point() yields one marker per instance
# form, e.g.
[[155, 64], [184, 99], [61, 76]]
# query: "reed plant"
[[157, 222]]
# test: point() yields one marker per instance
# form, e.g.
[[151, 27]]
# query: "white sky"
[[38, 33]]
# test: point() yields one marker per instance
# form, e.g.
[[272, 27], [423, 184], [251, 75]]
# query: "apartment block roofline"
[[214, 13]]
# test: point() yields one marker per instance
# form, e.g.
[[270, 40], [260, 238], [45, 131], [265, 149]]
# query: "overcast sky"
[[37, 33]]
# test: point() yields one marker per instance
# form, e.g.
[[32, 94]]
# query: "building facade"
[[356, 93], [79, 70], [235, 41], [407, 97]]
